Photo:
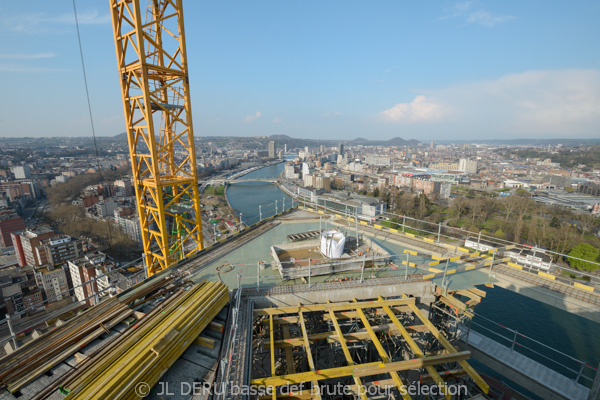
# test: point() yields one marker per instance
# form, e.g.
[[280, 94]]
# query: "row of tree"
[[516, 218], [71, 220], [65, 192]]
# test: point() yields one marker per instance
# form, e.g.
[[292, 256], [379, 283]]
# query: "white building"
[[377, 160], [21, 172], [534, 258], [272, 149], [468, 166]]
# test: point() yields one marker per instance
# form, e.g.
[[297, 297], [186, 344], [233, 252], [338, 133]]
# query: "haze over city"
[[334, 70]]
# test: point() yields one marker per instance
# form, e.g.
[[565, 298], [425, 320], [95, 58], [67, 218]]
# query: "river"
[[245, 197], [566, 332]]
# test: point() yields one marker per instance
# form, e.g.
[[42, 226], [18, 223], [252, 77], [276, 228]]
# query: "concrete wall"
[[304, 295]]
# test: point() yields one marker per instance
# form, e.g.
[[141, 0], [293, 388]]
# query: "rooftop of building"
[[350, 197], [32, 233]]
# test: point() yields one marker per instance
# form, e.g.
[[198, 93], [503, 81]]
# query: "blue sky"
[[324, 69]]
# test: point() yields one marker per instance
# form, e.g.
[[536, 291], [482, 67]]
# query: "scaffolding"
[[381, 346]]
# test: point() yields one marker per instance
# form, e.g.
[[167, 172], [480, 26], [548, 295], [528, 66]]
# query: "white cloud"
[[551, 103], [22, 56], [421, 109], [277, 120], [252, 118], [44, 23], [469, 12], [27, 69], [332, 114]]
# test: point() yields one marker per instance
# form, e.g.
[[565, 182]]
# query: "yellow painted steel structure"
[[152, 62], [356, 309]]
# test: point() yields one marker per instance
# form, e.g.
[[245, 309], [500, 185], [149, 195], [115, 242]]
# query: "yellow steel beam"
[[311, 361], [354, 314], [152, 62], [333, 306], [382, 353], [272, 347], [289, 354], [357, 381], [415, 348], [361, 334], [115, 374], [448, 346], [360, 370]]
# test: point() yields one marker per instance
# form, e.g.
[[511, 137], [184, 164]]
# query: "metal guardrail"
[[513, 341]]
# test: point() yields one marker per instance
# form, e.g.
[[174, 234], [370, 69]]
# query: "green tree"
[[376, 192], [522, 192], [586, 252], [500, 234]]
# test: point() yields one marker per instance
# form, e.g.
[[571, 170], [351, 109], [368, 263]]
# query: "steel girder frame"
[[356, 371], [152, 62]]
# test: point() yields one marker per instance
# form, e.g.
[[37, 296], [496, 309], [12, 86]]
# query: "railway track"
[[571, 291]]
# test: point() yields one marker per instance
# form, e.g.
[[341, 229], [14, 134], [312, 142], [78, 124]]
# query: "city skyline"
[[454, 70]]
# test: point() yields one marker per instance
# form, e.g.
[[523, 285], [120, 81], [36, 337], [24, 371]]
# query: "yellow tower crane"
[[152, 60]]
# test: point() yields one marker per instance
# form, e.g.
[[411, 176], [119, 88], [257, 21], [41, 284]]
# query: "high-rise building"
[[30, 240], [42, 246], [467, 166], [129, 225], [90, 277], [432, 145], [10, 223], [60, 248], [341, 148], [53, 281], [21, 172], [272, 149], [322, 182]]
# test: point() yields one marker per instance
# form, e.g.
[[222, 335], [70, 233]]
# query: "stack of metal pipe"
[[143, 355]]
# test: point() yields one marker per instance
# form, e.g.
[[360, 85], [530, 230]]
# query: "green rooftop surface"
[[245, 261]]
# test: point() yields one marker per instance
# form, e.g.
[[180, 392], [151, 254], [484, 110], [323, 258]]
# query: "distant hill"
[[279, 137], [295, 142], [396, 141], [528, 142]]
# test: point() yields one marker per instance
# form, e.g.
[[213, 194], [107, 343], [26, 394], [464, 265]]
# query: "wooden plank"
[[215, 326], [205, 342], [331, 306], [415, 348], [272, 347], [288, 319], [311, 361], [361, 370], [382, 353], [338, 330], [354, 314], [448, 346], [478, 292], [289, 353], [353, 336], [164, 342]]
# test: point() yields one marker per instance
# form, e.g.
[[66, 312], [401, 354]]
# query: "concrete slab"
[[524, 371], [43, 381], [183, 380]]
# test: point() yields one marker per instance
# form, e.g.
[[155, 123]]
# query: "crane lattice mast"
[[152, 61]]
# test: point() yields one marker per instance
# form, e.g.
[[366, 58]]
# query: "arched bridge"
[[228, 181]]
